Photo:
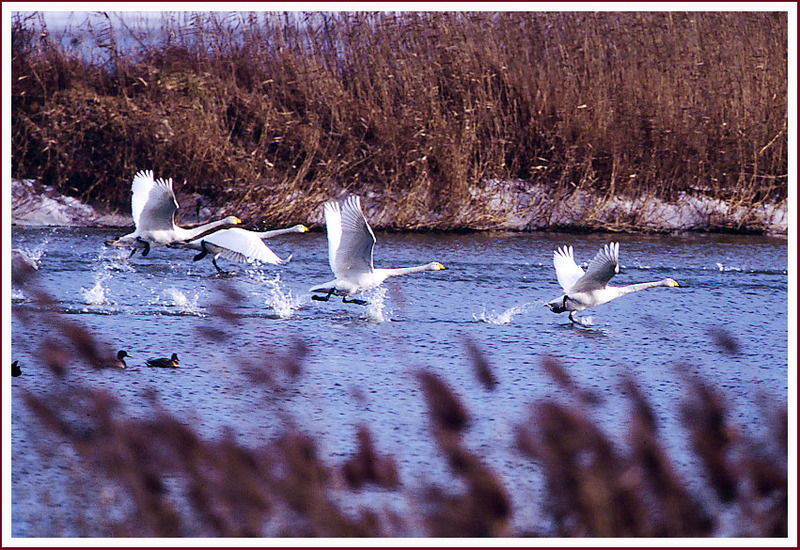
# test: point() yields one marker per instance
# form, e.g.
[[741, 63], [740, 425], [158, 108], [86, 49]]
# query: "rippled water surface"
[[361, 360]]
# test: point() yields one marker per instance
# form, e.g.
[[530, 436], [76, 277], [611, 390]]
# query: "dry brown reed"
[[170, 481], [270, 114]]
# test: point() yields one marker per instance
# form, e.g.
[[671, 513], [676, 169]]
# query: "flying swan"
[[153, 206], [350, 244], [590, 289], [241, 245]]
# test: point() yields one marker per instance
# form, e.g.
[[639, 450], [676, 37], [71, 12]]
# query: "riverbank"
[[506, 206]]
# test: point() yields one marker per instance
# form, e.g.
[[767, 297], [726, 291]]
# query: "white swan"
[[241, 245], [590, 289], [350, 243], [153, 206]]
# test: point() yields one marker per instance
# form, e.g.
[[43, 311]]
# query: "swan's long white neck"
[[384, 273], [623, 290], [276, 232]]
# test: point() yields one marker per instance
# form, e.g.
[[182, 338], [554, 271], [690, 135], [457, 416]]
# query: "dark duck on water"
[[164, 362]]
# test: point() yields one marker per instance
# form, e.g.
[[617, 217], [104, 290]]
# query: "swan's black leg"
[[132, 252], [323, 298], [354, 301], [574, 322], [145, 245], [214, 261]]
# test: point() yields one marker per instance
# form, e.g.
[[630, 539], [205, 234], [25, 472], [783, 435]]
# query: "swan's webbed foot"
[[323, 298], [354, 301]]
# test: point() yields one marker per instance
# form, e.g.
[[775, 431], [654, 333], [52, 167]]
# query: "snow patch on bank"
[[520, 206], [497, 205], [36, 205]]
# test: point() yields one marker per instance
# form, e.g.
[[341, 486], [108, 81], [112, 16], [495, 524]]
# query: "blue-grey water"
[[362, 361]]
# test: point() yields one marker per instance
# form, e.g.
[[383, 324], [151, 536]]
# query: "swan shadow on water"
[[223, 274], [588, 329], [583, 325]]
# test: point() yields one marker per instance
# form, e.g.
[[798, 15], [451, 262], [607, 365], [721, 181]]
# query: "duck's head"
[[122, 354], [174, 358]]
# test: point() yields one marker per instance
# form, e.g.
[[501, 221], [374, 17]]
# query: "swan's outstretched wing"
[[142, 184], [240, 245], [153, 202], [601, 269], [333, 223], [350, 238], [567, 271]]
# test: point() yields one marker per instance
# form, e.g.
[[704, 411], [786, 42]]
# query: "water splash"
[[375, 308], [113, 258], [280, 299], [587, 321], [504, 318], [176, 298], [722, 267], [96, 296]]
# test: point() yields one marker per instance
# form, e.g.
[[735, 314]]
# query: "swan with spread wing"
[[350, 244], [153, 206], [590, 289]]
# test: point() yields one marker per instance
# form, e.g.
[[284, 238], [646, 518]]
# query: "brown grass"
[[270, 114]]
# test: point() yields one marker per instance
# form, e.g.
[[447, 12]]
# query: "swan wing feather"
[[240, 245], [153, 202], [356, 240], [601, 269], [333, 223], [567, 271]]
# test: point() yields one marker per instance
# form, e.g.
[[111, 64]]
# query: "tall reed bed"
[[271, 113]]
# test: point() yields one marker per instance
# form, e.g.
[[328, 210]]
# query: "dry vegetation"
[[157, 476], [270, 114]]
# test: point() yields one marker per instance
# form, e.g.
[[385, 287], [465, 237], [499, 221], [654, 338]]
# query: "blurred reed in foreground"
[[157, 476], [269, 114]]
